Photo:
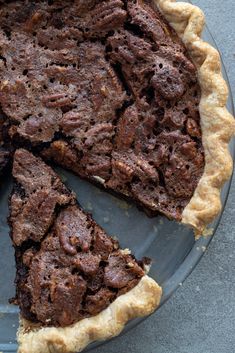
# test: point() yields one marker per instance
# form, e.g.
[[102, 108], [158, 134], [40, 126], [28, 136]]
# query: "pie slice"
[[74, 283], [111, 91]]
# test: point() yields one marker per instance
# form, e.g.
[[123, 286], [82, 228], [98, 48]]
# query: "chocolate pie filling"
[[107, 90], [68, 268], [5, 147]]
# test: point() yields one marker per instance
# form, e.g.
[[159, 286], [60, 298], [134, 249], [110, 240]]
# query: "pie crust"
[[140, 301], [217, 124]]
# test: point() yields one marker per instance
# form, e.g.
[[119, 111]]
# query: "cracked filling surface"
[[107, 90]]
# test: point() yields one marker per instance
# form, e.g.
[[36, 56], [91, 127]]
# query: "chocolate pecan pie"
[[123, 93], [71, 275]]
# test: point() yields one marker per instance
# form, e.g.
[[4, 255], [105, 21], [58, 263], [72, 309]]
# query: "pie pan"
[[171, 246]]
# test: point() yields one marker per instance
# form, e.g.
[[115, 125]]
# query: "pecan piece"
[[193, 128], [106, 16], [56, 100], [126, 129], [122, 171], [99, 133]]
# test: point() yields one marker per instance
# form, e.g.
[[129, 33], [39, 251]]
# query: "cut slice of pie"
[[108, 90], [74, 283]]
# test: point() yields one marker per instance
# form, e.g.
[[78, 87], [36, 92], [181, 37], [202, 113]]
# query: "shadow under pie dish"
[[150, 136]]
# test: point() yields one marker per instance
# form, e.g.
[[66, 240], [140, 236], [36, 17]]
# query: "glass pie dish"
[[171, 246]]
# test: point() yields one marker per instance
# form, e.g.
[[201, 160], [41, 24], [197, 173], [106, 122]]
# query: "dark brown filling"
[[104, 88], [68, 268], [5, 146]]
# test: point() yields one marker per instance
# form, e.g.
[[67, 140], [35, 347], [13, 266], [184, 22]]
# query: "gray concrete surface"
[[200, 317]]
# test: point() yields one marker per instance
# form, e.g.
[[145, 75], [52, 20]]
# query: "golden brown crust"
[[218, 125], [142, 300]]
